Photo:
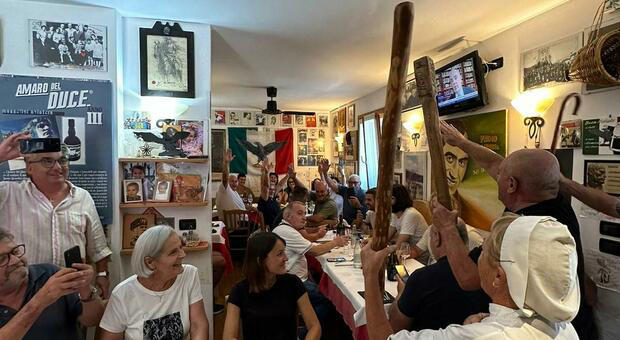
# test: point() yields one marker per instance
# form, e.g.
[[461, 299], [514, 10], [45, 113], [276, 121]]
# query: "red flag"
[[284, 155]]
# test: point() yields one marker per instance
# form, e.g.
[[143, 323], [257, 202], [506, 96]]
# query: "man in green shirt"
[[324, 207]]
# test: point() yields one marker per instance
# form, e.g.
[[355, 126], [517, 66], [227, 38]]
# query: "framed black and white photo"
[[132, 191], [548, 65], [410, 99], [167, 61], [415, 174], [68, 45]]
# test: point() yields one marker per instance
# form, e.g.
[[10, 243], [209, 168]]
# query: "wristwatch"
[[102, 274], [93, 294]]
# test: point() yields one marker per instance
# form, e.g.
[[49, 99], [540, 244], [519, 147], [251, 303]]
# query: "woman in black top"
[[268, 299]]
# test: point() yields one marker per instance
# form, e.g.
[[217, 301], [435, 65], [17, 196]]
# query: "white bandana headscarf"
[[540, 259]]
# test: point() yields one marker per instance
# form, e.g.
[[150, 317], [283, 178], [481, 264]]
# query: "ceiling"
[[321, 53]]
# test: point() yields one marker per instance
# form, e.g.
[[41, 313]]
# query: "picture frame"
[[548, 64], [410, 99], [416, 174], [351, 117], [167, 61], [132, 191], [133, 226], [142, 171], [89, 54], [398, 178], [602, 175], [287, 119], [323, 121], [163, 188], [218, 152], [342, 120]]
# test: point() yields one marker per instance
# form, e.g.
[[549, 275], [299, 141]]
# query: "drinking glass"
[[403, 252]]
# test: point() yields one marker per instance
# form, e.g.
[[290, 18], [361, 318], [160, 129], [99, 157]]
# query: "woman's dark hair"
[[402, 198], [259, 246]]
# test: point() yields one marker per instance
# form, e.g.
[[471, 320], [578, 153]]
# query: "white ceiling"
[[320, 53]]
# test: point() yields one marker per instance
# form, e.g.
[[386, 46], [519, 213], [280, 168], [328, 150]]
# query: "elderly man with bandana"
[[354, 197], [50, 214]]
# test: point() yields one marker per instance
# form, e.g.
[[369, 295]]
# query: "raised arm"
[[593, 198], [9, 148], [485, 157], [282, 184], [323, 169], [463, 267], [226, 172]]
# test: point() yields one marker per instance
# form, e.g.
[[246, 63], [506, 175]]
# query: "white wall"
[[503, 86]]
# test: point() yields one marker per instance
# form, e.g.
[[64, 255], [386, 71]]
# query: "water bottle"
[[357, 253]]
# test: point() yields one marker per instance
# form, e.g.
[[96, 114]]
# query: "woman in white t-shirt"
[[409, 223], [163, 300]]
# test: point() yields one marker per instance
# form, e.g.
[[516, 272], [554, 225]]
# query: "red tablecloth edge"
[[224, 249], [343, 306]]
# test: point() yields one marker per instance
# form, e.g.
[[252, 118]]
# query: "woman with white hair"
[[163, 299], [528, 267]]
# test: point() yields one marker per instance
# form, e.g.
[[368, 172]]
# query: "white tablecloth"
[[351, 280]]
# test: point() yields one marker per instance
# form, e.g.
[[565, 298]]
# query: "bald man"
[[325, 208], [227, 197]]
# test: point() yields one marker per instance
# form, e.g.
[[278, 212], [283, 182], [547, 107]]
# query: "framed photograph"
[[287, 119], [273, 120], [132, 191], [137, 120], [218, 152], [323, 121], [342, 120], [162, 191], [167, 61], [247, 119], [311, 121], [549, 64], [335, 121], [302, 150], [351, 117], [570, 133], [142, 171], [300, 121], [312, 160], [415, 174], [398, 178], [410, 98], [218, 117], [350, 146], [302, 136], [302, 161], [192, 145], [68, 45], [234, 118], [187, 188], [133, 226], [602, 175], [313, 133], [260, 119]]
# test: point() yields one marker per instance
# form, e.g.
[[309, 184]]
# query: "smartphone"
[[38, 145], [336, 259], [72, 256], [351, 192], [387, 297], [402, 272]]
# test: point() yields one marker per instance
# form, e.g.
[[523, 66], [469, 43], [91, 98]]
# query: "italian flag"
[[247, 162]]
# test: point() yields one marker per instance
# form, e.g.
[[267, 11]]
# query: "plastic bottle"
[[357, 252]]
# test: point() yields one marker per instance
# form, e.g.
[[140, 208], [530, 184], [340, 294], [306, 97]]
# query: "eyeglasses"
[[49, 163], [18, 252]]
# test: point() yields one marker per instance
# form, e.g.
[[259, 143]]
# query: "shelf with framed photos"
[[201, 247], [161, 191]]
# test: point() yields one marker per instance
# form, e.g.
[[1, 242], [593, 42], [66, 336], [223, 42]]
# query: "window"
[[369, 150]]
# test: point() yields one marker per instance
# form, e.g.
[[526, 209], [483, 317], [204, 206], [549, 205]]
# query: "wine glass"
[[404, 252]]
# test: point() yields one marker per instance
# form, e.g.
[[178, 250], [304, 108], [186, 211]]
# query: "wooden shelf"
[[163, 204], [164, 160], [185, 249]]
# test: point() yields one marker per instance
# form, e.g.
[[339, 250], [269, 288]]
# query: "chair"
[[240, 224], [423, 208]]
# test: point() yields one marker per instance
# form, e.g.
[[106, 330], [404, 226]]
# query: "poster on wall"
[[234, 118], [549, 64], [218, 117], [77, 111], [287, 119], [474, 191], [68, 45], [323, 121], [342, 120], [598, 136], [351, 117], [410, 98], [415, 174], [570, 133], [602, 175]]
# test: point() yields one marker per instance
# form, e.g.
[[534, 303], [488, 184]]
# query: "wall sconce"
[[532, 105], [413, 124], [415, 136]]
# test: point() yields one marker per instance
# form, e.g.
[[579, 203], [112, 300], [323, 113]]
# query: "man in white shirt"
[[294, 220], [50, 214], [227, 197]]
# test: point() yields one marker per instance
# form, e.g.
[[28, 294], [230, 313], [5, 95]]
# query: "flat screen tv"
[[460, 85]]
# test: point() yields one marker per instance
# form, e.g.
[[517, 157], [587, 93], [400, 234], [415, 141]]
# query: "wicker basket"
[[598, 62]]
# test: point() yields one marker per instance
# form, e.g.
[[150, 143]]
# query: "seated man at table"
[[415, 309], [324, 207], [296, 249], [242, 190], [368, 222]]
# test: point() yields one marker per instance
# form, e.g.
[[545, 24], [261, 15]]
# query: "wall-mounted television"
[[460, 85]]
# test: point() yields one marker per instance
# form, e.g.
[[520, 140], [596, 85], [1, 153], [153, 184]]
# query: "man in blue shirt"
[[42, 301], [354, 197]]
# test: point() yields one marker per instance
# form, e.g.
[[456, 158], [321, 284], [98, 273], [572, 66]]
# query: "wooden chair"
[[424, 209], [240, 224]]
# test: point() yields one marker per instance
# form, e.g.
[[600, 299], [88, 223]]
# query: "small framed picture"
[[602, 175], [132, 191], [398, 178], [162, 191]]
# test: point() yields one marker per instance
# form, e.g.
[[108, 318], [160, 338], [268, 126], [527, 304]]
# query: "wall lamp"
[[533, 105]]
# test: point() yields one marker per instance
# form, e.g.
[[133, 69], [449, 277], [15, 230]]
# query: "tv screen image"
[[456, 84], [460, 85]]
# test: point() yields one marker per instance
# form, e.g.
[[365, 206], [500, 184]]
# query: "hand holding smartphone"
[[72, 255], [402, 272]]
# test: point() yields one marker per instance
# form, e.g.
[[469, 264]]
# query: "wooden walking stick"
[[556, 132], [425, 81], [401, 41]]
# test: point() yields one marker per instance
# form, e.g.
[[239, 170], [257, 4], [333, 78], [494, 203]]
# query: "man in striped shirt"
[[49, 214]]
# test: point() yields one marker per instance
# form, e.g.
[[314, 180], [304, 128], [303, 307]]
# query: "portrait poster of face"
[[473, 191]]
